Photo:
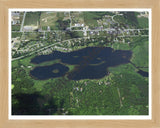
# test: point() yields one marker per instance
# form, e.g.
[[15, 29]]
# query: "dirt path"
[[121, 105]]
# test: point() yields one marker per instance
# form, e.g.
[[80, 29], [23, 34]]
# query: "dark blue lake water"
[[46, 72], [90, 63]]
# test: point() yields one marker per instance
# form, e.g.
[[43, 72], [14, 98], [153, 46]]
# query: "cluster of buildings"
[[15, 18]]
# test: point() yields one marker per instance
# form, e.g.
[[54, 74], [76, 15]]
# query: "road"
[[23, 21], [43, 48], [68, 40], [33, 52], [70, 20], [121, 105], [114, 16], [106, 29], [133, 36]]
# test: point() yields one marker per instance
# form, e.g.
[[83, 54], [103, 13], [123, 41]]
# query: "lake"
[[89, 63]]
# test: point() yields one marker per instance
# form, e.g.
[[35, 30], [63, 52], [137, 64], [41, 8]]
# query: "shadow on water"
[[92, 63], [143, 73]]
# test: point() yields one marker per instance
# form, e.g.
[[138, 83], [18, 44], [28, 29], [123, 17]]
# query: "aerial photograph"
[[79, 62]]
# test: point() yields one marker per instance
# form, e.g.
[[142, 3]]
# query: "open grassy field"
[[48, 19], [51, 19], [32, 18], [33, 36], [142, 22], [90, 18], [140, 55]]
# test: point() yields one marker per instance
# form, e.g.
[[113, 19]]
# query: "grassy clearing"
[[140, 55], [143, 22], [120, 46], [122, 68]]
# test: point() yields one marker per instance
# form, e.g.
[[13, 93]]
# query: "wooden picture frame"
[[4, 63]]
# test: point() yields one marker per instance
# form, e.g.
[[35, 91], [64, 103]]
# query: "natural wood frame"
[[4, 36]]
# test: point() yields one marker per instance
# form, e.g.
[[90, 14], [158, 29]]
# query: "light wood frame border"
[[4, 36]]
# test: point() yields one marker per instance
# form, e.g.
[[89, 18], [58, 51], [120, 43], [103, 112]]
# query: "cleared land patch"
[[48, 19]]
